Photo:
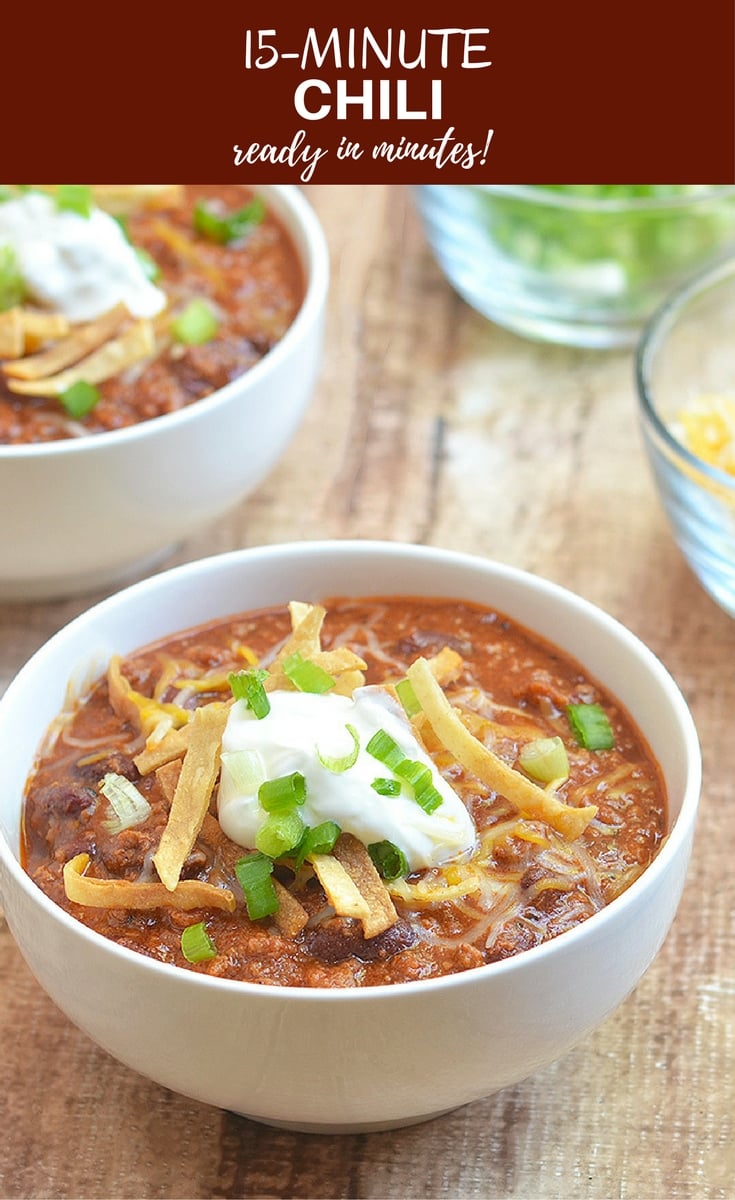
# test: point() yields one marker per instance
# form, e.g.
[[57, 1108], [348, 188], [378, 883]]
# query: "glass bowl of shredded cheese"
[[685, 370]]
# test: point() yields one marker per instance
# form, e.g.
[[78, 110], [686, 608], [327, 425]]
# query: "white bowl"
[[355, 1059], [85, 513]]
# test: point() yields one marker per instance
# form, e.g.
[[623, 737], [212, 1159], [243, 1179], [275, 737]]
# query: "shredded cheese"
[[706, 427]]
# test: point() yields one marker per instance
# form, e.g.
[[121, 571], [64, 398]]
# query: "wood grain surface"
[[430, 424]]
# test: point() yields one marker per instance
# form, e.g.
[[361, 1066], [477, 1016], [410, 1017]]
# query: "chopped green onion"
[[253, 873], [383, 747], [74, 197], [280, 832], [128, 805], [287, 791], [429, 798], [608, 248], [248, 686], [590, 726], [339, 765], [318, 839], [545, 759], [195, 324], [80, 399], [305, 675], [196, 944], [389, 860], [420, 778], [386, 787], [413, 772], [407, 697], [12, 284], [245, 769], [231, 228], [6, 193]]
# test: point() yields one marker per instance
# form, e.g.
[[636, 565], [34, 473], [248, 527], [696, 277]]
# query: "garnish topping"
[[248, 686], [389, 860], [80, 398], [196, 944], [317, 839], [590, 726], [338, 765], [286, 792], [195, 324], [74, 197], [227, 228], [128, 805], [305, 675], [253, 873], [545, 759]]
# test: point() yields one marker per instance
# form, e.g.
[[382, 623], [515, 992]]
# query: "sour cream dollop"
[[76, 265], [299, 727]]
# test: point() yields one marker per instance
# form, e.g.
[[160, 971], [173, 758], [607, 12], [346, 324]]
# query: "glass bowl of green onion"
[[577, 264]]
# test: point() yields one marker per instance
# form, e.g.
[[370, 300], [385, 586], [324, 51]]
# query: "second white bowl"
[[85, 513]]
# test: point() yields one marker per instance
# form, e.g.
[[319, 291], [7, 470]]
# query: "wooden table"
[[430, 424]]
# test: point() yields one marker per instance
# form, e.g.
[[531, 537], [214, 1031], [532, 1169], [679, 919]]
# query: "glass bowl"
[[578, 264], [685, 372]]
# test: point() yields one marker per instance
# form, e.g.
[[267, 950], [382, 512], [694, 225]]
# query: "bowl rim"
[[309, 241], [542, 194], [673, 845], [653, 335]]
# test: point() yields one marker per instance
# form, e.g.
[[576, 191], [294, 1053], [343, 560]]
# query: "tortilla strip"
[[305, 639], [80, 342], [336, 663], [290, 916], [347, 681], [341, 891], [306, 625], [122, 199], [124, 893], [168, 777], [172, 746], [532, 801], [446, 666], [354, 857], [298, 610], [12, 338], [193, 792], [24, 329], [338, 660], [133, 344], [40, 327]]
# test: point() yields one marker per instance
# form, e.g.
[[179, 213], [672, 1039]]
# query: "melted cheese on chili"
[[76, 265], [300, 728]]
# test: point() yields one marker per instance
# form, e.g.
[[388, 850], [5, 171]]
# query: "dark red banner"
[[504, 91]]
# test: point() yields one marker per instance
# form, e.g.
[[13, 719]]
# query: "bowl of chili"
[[158, 347], [446, 828]]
